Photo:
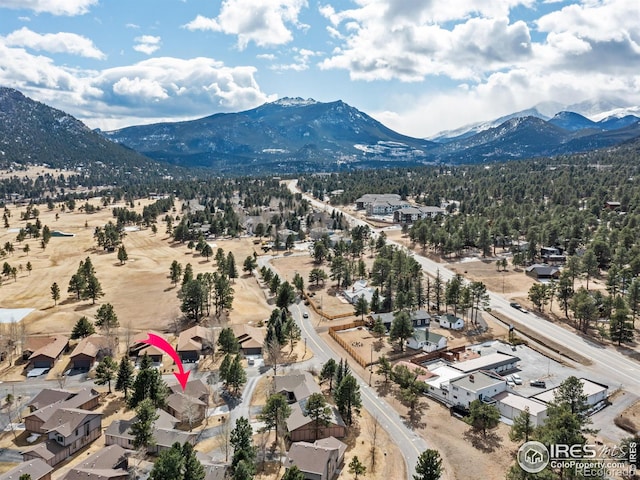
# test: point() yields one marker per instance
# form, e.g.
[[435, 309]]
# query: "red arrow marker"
[[165, 346]]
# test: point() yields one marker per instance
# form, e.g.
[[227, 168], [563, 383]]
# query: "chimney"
[[471, 379]]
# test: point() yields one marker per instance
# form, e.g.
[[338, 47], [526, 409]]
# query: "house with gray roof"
[[37, 469], [108, 463], [424, 339], [541, 271], [419, 318], [320, 460]]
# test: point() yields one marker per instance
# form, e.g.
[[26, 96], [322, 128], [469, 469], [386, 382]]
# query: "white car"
[[516, 379], [510, 382]]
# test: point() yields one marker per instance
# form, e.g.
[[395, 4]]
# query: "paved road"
[[609, 366]]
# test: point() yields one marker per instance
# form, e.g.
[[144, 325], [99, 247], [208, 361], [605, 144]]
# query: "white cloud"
[[153, 90], [147, 44], [266, 56], [264, 23], [62, 42], [301, 60], [133, 26], [54, 7]]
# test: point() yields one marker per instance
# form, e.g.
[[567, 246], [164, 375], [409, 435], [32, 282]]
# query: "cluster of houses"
[[391, 204], [315, 450]]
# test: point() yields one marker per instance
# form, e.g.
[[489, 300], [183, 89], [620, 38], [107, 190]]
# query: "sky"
[[418, 66]]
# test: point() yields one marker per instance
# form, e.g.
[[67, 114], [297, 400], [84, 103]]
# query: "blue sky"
[[419, 66]]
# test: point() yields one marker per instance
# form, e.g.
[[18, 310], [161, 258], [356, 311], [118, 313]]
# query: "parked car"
[[305, 315], [516, 378], [538, 383], [510, 382], [516, 305]]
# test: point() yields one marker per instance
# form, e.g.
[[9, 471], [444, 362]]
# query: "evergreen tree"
[[228, 342], [384, 368], [328, 372], [122, 254], [293, 473], [379, 330], [92, 289], [82, 328], [620, 327], [55, 293], [361, 307], [275, 413], [243, 449], [319, 412], [169, 465], [348, 398], [356, 467], [106, 319], [285, 295], [175, 272], [232, 270], [249, 264], [142, 427], [193, 299], [429, 466], [522, 428], [148, 384], [106, 372], [237, 375], [193, 469], [483, 417], [125, 378], [401, 329]]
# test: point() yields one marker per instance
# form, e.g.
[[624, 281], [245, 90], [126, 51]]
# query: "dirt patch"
[[629, 420]]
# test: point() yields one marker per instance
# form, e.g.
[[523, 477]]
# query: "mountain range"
[[294, 135]]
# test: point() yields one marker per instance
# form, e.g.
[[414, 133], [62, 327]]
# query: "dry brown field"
[[140, 290]]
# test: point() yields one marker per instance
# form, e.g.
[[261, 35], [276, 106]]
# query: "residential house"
[[47, 396], [386, 207], [476, 386], [194, 388], [511, 405], [37, 469], [85, 399], [419, 318], [43, 352], [497, 362], [320, 460], [357, 290], [297, 387], [251, 339], [90, 350], [108, 463], [424, 339], [189, 410], [164, 433], [541, 271], [450, 322], [194, 342], [139, 348], [212, 470], [68, 430]]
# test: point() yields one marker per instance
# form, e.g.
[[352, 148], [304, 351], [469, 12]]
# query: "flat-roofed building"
[[512, 405]]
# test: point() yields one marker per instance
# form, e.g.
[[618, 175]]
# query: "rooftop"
[[486, 362], [535, 407], [476, 381]]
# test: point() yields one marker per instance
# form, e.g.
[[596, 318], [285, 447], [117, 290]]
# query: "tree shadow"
[[83, 307], [414, 418], [488, 443], [383, 389]]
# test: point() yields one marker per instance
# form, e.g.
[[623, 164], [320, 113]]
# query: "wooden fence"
[[333, 333], [321, 312]]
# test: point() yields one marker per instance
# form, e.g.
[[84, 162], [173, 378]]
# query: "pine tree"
[[522, 427], [142, 427], [106, 372], [124, 379], [169, 465], [275, 413], [293, 473], [429, 466], [356, 467], [347, 397], [55, 293], [193, 469], [328, 372], [319, 412], [82, 328], [148, 384], [243, 449], [122, 254]]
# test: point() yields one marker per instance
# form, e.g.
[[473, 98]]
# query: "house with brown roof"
[[212, 470], [250, 338], [108, 463], [320, 460], [164, 433], [189, 410], [90, 350], [193, 342], [139, 348], [85, 399], [297, 387], [37, 469], [194, 388], [47, 396], [43, 352], [68, 430]]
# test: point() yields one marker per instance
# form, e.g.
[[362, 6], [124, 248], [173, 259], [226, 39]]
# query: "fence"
[[350, 350], [321, 312]]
